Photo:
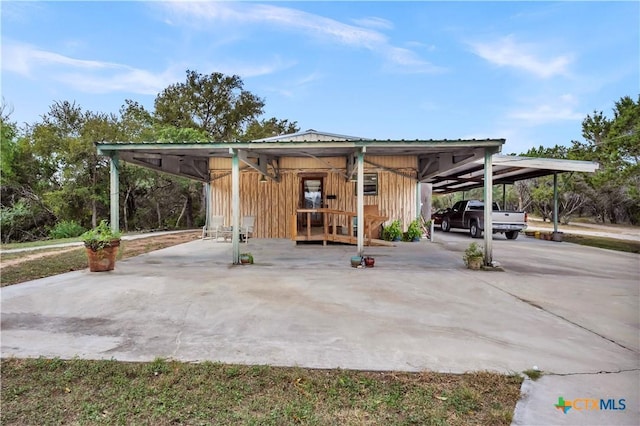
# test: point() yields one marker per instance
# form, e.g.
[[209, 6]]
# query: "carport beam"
[[488, 207], [114, 192]]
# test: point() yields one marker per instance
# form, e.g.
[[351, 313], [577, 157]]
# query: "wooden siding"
[[273, 203]]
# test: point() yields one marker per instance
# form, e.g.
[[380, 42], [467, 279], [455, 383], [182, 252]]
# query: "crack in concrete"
[[535, 305], [594, 373]]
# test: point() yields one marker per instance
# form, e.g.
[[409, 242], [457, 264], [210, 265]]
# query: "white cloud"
[[93, 76], [551, 110], [86, 75], [509, 53], [251, 70], [315, 76], [129, 81], [374, 22], [23, 59], [546, 113], [21, 11], [304, 23]]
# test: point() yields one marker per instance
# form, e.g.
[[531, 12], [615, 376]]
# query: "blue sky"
[[525, 71]]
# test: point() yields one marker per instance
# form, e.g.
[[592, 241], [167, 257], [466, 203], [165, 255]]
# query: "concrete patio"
[[566, 309]]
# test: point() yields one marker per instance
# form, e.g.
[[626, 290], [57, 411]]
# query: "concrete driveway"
[[568, 310]]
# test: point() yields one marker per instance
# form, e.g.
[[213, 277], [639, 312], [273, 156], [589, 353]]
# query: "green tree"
[[615, 144], [24, 177], [66, 138], [267, 128], [214, 103]]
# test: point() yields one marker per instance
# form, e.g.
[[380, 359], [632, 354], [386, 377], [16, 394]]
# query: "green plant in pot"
[[246, 258], [102, 247], [473, 256], [414, 231], [392, 232]]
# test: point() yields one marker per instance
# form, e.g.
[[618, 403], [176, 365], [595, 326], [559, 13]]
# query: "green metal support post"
[[488, 207], [235, 205], [114, 192], [360, 201], [555, 203]]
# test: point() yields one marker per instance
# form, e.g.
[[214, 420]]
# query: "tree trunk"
[[125, 209], [184, 207], [189, 212], [159, 215]]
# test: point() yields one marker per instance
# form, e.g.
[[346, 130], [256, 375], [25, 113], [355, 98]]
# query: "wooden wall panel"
[[273, 203], [309, 163], [393, 161]]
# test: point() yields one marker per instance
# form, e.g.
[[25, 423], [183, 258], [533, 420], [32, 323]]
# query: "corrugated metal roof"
[[450, 165], [308, 135], [507, 169]]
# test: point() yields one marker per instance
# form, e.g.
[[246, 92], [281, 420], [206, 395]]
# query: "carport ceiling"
[[191, 160], [507, 169]]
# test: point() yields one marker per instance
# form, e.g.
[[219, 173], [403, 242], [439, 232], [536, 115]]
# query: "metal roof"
[[191, 159], [507, 169], [310, 134], [450, 165]]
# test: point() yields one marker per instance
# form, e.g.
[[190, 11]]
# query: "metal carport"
[[191, 160], [449, 165], [508, 169]]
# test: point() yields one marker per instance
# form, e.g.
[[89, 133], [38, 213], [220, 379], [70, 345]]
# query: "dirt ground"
[[132, 247]]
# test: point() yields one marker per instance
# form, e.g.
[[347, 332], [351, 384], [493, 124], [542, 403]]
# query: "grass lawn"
[[603, 242], [53, 391], [53, 261], [38, 243]]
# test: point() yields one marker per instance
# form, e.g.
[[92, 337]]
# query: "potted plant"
[[473, 256], [246, 258], [393, 232], [414, 232], [102, 245]]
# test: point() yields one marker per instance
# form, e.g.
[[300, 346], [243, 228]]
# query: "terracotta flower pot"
[[104, 259], [474, 263]]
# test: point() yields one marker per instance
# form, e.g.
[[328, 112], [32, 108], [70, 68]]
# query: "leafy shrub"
[[393, 232], [473, 252], [66, 229], [100, 237], [413, 231]]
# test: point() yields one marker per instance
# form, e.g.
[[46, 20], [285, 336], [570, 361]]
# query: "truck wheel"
[[511, 235], [445, 226], [474, 230]]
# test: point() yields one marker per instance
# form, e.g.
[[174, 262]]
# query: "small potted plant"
[[473, 256], [414, 232], [102, 247], [393, 232], [246, 258]]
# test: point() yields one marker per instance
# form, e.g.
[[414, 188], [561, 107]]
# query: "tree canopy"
[[214, 103], [51, 173]]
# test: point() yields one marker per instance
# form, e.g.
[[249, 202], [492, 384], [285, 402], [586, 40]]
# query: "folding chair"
[[215, 229], [247, 227]]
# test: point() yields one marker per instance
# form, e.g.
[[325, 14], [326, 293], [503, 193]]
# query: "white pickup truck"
[[469, 214]]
